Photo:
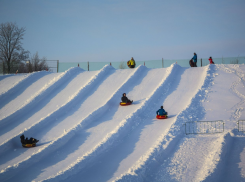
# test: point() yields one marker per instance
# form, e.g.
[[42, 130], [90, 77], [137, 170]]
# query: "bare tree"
[[38, 64], [35, 64], [122, 65], [11, 50]]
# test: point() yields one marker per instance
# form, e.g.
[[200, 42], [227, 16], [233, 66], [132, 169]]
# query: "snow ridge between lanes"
[[14, 84], [20, 87]]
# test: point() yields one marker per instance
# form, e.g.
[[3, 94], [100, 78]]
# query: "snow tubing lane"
[[125, 104], [162, 117]]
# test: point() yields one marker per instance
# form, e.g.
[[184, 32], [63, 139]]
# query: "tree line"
[[13, 57]]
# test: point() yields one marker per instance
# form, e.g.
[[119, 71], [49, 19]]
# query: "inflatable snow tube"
[[125, 103], [162, 117], [29, 145]]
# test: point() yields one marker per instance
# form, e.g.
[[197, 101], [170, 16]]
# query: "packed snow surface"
[[85, 135]]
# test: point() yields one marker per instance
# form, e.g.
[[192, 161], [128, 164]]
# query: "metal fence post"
[[189, 128], [57, 66], [162, 63], [88, 65], [201, 62], [3, 68]]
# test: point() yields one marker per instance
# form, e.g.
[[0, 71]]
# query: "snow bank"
[[85, 134]]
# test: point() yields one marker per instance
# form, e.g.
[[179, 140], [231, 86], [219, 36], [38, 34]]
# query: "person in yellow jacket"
[[131, 63]]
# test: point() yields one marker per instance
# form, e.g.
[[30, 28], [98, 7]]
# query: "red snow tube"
[[29, 145], [162, 117], [125, 103]]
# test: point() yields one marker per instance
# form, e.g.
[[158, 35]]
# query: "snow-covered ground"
[[84, 135]]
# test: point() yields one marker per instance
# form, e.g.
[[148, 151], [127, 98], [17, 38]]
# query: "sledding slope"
[[85, 135]]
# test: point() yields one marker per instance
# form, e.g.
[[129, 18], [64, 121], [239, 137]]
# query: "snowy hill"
[[84, 135]]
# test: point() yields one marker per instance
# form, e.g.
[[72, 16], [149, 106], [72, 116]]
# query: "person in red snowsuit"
[[211, 60]]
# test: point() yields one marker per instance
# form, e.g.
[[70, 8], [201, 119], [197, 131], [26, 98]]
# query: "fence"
[[163, 63], [1, 68], [53, 65], [204, 127], [56, 66], [241, 125], [4, 67]]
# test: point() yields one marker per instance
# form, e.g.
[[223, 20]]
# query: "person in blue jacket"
[[161, 112], [195, 59]]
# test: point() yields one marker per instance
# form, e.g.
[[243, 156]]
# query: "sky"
[[116, 30]]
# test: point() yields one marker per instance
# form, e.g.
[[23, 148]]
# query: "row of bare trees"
[[13, 57], [33, 64]]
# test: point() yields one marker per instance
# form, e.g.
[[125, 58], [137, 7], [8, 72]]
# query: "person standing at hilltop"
[[195, 59], [211, 60], [131, 63]]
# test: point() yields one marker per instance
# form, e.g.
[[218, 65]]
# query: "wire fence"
[[241, 125], [162, 63], [204, 127], [57, 66]]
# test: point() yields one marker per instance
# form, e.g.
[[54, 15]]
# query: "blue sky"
[[116, 30]]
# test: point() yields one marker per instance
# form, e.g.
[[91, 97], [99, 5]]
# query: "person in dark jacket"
[[161, 112], [27, 141], [211, 60], [195, 59], [191, 63], [125, 99]]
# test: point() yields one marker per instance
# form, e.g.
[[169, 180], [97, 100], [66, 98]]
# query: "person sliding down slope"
[[161, 112], [125, 99]]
